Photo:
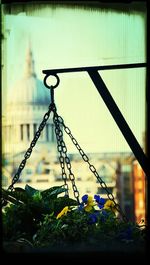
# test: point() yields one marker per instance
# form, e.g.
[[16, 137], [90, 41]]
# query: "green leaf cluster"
[[74, 228], [25, 209], [33, 215]]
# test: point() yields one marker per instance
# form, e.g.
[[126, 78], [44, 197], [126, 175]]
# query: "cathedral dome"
[[29, 90]]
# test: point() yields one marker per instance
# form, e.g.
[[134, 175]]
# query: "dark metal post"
[[121, 122]]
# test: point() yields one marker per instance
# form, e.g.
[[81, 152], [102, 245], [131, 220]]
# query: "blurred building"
[[27, 102], [127, 188], [139, 191]]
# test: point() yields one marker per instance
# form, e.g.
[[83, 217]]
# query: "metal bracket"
[[111, 105]]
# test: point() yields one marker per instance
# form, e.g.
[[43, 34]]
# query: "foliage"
[[92, 223], [50, 220], [25, 208]]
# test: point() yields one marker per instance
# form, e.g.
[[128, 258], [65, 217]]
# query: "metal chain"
[[59, 137], [92, 168], [29, 150], [64, 157]]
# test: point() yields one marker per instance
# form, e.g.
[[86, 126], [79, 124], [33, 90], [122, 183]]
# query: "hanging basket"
[[36, 220]]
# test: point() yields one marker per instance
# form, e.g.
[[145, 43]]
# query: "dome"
[[29, 90]]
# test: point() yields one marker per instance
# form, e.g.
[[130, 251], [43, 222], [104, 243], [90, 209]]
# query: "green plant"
[[47, 219], [25, 208], [92, 223]]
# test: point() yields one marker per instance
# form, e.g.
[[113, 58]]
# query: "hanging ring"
[[57, 81]]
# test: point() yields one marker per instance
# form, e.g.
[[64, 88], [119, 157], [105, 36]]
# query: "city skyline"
[[76, 98]]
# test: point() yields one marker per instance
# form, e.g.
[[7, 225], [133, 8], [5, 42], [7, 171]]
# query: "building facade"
[[27, 102], [139, 191]]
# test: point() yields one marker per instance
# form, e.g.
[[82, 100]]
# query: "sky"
[[67, 37]]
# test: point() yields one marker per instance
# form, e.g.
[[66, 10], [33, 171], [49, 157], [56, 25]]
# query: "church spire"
[[29, 66]]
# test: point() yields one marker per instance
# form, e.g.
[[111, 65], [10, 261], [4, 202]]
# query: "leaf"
[[9, 197], [20, 194], [30, 191], [37, 196], [52, 192], [17, 193], [38, 209], [61, 202], [18, 189]]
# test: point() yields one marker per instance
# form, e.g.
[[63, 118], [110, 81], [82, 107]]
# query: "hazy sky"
[[62, 38]]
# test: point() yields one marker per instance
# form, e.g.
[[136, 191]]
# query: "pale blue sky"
[[72, 38]]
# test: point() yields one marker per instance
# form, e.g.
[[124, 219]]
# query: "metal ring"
[[57, 83]]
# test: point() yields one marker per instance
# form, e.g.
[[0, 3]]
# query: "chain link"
[[64, 159], [93, 169], [32, 144], [59, 137]]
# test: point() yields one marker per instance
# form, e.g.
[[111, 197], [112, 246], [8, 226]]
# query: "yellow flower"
[[90, 200], [63, 212], [90, 204], [88, 208], [110, 205]]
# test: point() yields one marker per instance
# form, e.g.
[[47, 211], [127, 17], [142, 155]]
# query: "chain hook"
[[51, 87], [57, 83]]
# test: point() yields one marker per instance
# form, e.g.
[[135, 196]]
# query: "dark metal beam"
[[96, 68], [110, 103], [121, 122]]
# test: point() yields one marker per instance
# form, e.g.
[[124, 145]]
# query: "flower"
[[84, 198], [93, 218], [110, 205], [100, 201], [63, 212], [90, 204], [87, 203]]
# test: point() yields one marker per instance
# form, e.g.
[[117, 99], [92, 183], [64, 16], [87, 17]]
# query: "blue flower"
[[92, 218], [100, 201], [105, 213], [85, 198]]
